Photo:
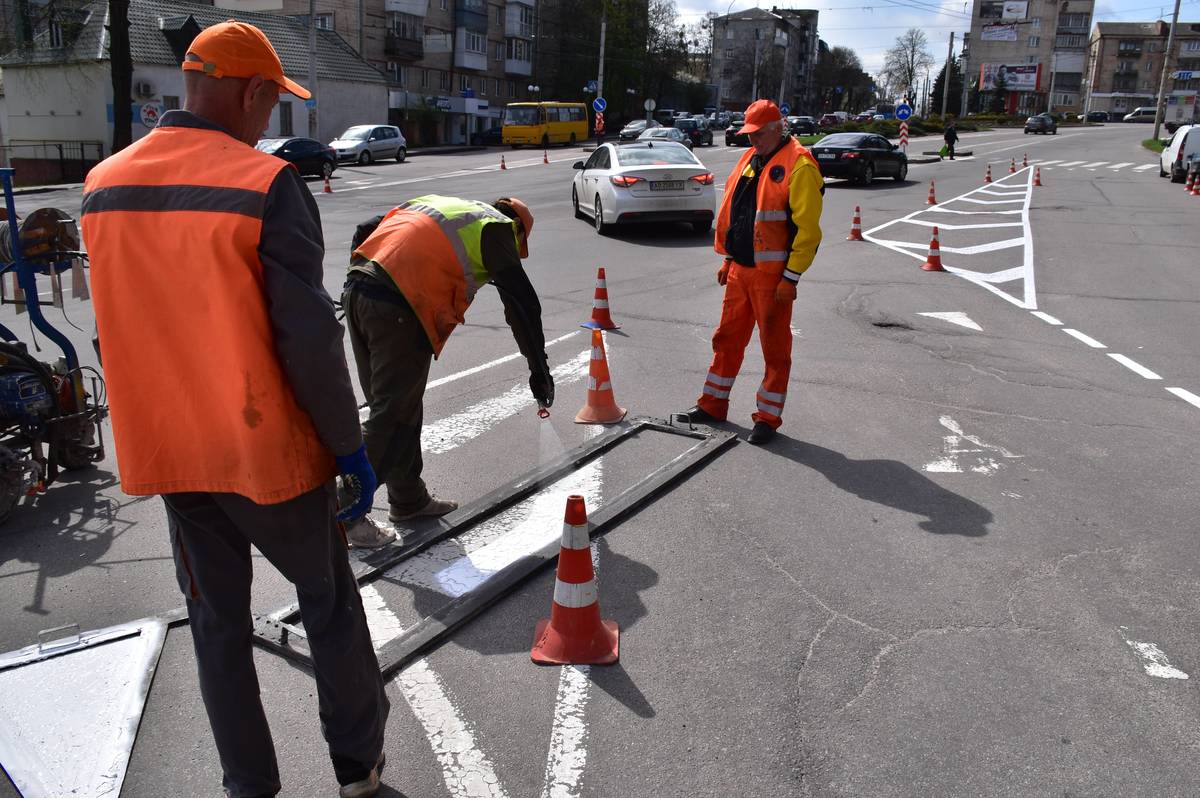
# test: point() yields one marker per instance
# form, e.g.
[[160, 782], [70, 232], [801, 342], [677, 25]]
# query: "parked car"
[[1142, 114], [696, 130], [860, 157], [493, 136], [801, 125], [646, 181], [367, 143], [309, 156], [1041, 123], [829, 120], [1096, 116], [635, 128], [865, 116], [671, 134], [1178, 155]]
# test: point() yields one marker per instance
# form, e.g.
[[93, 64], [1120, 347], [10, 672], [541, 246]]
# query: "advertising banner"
[[1017, 77], [1015, 9], [999, 33]]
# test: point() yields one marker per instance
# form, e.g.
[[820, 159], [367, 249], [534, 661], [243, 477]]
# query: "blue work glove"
[[359, 478]]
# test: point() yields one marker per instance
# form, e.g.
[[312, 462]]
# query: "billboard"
[[1017, 77], [1015, 9], [999, 33]]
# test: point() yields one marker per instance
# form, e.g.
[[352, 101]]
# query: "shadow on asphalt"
[[893, 484], [614, 680], [663, 235], [878, 184]]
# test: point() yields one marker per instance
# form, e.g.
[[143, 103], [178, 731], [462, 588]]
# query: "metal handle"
[[685, 416]]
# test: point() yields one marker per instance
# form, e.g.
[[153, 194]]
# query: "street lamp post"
[[534, 90]]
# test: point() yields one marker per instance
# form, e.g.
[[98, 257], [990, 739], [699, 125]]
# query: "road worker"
[[230, 396], [413, 273], [768, 230]]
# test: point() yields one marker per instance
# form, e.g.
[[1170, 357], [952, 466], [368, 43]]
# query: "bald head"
[[240, 105]]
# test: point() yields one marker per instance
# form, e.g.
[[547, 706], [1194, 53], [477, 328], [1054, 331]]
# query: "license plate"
[[826, 156], [666, 185]]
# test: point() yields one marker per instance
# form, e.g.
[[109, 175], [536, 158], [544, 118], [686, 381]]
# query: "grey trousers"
[[211, 535], [393, 357]]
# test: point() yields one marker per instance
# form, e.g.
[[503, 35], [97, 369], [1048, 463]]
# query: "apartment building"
[[1125, 61], [1038, 46], [771, 54], [451, 65]]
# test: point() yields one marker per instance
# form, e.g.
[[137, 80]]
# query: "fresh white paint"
[[1134, 366], [1094, 164], [1087, 339], [981, 455], [1121, 165], [1154, 661], [492, 363], [1046, 317], [1144, 167], [955, 317], [1186, 396], [1071, 163], [567, 757]]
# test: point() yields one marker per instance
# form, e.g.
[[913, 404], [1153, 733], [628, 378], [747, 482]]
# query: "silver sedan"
[[643, 182]]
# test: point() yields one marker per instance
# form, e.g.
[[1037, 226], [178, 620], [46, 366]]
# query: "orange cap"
[[525, 216], [238, 50], [760, 112]]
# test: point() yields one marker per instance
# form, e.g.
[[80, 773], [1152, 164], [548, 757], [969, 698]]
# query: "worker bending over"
[[413, 273]]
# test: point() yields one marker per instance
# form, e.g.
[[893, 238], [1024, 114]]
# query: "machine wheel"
[[903, 173], [601, 227], [364, 157], [575, 203], [1161, 172], [12, 479], [401, 154]]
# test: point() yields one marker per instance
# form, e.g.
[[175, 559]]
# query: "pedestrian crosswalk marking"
[[1071, 163], [1143, 167], [1094, 164], [1121, 165]]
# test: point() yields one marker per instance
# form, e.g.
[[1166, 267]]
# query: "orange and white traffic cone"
[[987, 178], [601, 406], [932, 197], [1037, 176], [1195, 192], [934, 262], [601, 317], [856, 226], [1024, 159], [545, 156], [1191, 182], [1012, 166], [502, 164], [328, 188], [574, 633]]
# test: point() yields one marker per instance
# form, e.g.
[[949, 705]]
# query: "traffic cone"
[[1012, 166], [1195, 192], [856, 226], [328, 188], [545, 156], [932, 198], [601, 406], [1037, 176], [1191, 182], [1024, 159], [574, 633], [502, 164], [934, 261], [601, 318], [987, 178]]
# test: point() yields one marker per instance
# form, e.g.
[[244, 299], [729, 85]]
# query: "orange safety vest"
[[772, 234], [198, 397]]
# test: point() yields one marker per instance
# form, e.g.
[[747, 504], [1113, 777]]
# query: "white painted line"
[[940, 209], [1008, 275], [955, 317], [989, 202], [1094, 164], [1154, 661], [453, 431], [1027, 144], [945, 226], [1020, 193], [954, 445], [482, 367], [1116, 166], [567, 757], [382, 623], [1046, 317], [1047, 163], [1134, 366], [1071, 163], [1144, 167], [978, 249], [1087, 339], [1186, 396]]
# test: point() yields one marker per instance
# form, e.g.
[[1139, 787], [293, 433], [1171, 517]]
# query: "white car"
[[1179, 153], [366, 143], [644, 181]]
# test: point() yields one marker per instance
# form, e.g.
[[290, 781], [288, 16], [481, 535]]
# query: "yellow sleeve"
[[805, 196]]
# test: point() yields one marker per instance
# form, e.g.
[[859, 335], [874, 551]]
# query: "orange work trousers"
[[750, 300]]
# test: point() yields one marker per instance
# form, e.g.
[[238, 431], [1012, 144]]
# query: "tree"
[[839, 68], [907, 58], [954, 104]]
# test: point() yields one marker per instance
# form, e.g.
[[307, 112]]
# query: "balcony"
[[513, 66], [403, 49]]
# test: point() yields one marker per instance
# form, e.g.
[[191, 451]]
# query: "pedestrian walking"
[[950, 136], [768, 229], [413, 274], [230, 396]]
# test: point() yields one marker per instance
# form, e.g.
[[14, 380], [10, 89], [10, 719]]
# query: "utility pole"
[[121, 64], [312, 68], [362, 21], [1162, 82], [966, 70], [603, 31], [754, 88], [946, 77]]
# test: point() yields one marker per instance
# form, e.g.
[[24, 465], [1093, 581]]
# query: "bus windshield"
[[521, 115]]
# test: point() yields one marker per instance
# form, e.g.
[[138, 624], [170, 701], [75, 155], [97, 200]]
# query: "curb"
[[446, 150], [956, 153], [934, 159], [45, 189]]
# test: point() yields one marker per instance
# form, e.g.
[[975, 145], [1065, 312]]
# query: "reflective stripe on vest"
[[198, 397]]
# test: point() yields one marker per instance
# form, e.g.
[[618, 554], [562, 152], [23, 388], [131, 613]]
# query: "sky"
[[871, 28]]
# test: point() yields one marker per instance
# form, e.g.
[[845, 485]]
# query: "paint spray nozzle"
[[543, 411]]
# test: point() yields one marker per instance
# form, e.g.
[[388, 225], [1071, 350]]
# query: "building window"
[[496, 87], [324, 21], [424, 78], [1129, 47], [443, 80], [1190, 46], [398, 73], [285, 118], [512, 89], [442, 4], [500, 16], [518, 50], [483, 87], [1068, 40], [991, 10], [526, 21], [1031, 59], [56, 35], [476, 43], [1073, 20], [1154, 47], [464, 83], [729, 34], [1035, 41], [170, 102], [499, 51], [405, 26], [1064, 99]]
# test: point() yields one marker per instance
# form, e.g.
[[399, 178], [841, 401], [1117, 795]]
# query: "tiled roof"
[[336, 60]]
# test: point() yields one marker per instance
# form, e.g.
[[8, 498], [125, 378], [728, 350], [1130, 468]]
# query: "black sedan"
[[801, 125], [636, 128], [861, 157], [733, 138], [491, 136], [697, 130], [309, 156], [1042, 123]]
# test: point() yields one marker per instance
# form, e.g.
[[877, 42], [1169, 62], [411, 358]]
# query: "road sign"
[[590, 87], [785, 109], [599, 104], [903, 133], [903, 111], [838, 89], [310, 103], [649, 105]]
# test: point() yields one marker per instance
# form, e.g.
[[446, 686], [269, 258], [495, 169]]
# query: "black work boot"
[[761, 433], [698, 415]]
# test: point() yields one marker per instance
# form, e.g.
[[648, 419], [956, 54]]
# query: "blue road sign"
[[785, 109], [310, 103], [903, 111], [591, 86], [838, 89], [599, 104]]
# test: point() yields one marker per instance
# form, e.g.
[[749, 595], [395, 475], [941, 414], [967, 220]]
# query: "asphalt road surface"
[[967, 566]]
